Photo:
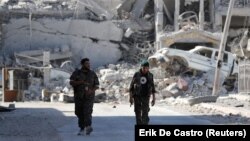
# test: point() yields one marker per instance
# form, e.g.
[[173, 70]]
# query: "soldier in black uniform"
[[141, 89], [84, 82]]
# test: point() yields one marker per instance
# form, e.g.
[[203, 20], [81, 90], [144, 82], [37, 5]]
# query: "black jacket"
[[136, 86]]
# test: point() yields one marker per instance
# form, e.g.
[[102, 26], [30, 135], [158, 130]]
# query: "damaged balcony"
[[240, 13]]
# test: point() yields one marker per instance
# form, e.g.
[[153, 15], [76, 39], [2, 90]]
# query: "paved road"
[[117, 124], [41, 121]]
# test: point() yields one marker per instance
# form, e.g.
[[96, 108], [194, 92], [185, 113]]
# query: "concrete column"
[[168, 13], [30, 26], [201, 15], [218, 17], [176, 14], [222, 48], [217, 3], [218, 22], [3, 84], [212, 13], [158, 21], [46, 70], [11, 79], [1, 31]]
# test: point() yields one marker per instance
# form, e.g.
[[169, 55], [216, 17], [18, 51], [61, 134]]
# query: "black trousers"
[[141, 108], [84, 110]]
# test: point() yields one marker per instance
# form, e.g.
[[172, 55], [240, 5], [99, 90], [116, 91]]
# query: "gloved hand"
[[153, 102], [131, 101]]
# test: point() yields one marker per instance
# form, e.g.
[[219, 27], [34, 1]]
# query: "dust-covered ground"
[[54, 121], [231, 109]]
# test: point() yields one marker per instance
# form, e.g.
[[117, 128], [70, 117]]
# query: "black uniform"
[[141, 88], [84, 100]]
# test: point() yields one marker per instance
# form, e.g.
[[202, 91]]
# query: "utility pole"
[[222, 48], [30, 18], [158, 21]]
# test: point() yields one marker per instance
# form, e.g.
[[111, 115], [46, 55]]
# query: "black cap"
[[145, 63]]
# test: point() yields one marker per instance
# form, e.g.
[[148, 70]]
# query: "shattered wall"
[[83, 37], [239, 14]]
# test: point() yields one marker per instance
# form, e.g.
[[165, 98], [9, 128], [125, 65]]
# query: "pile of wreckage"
[[182, 50], [43, 73]]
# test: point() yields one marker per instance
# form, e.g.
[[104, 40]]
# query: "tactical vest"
[[136, 84]]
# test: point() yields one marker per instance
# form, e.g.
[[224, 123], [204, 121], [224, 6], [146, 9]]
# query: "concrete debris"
[[34, 90], [177, 61], [91, 28], [100, 96], [140, 44], [97, 9], [238, 4], [166, 82], [138, 25], [119, 76], [68, 98], [204, 99], [36, 56], [189, 35], [248, 45], [7, 109], [39, 4], [189, 2], [124, 46], [239, 42], [188, 20], [124, 8], [138, 8], [128, 32], [182, 84]]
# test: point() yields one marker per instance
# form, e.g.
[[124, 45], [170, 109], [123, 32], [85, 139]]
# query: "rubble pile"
[[238, 3], [115, 81], [55, 34], [44, 35], [38, 4], [127, 36]]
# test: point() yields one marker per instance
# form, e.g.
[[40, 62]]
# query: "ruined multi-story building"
[[186, 23]]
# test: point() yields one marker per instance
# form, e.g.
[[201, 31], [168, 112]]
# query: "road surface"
[[41, 121]]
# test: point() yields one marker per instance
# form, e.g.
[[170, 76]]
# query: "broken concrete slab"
[[125, 7], [97, 9], [240, 97], [138, 25], [182, 84], [110, 32], [37, 56], [138, 8], [67, 98], [50, 1], [96, 52], [48, 30], [227, 110], [6, 109], [189, 36], [170, 18], [202, 99], [100, 97]]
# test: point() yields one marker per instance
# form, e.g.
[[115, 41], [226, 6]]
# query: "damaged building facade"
[[51, 36], [200, 23]]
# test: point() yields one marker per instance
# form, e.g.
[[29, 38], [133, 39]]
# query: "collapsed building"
[[49, 37], [201, 26], [45, 35]]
